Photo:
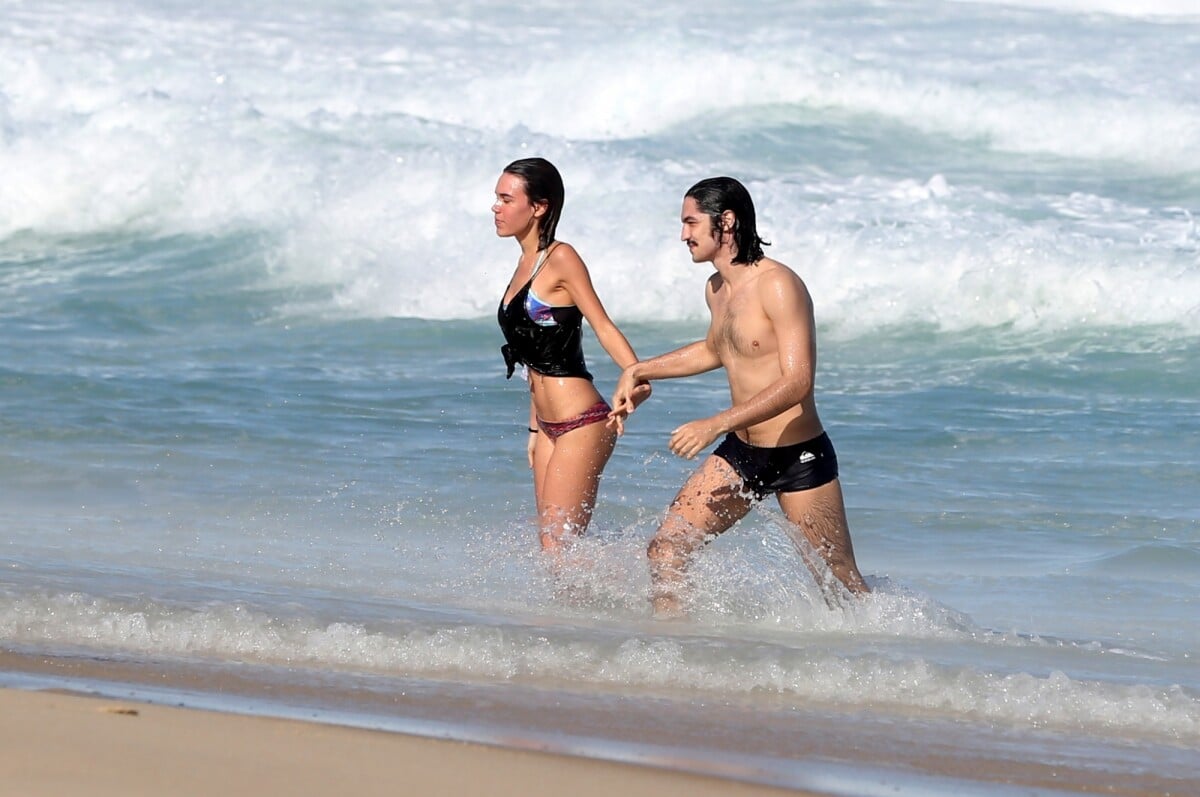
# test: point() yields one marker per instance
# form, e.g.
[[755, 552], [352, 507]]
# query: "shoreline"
[[90, 725], [54, 742], [111, 723]]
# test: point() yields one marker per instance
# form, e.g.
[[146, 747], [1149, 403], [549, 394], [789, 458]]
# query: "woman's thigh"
[[572, 471]]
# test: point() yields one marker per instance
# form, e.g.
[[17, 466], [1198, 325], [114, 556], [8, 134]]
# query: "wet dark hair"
[[719, 194], [543, 183]]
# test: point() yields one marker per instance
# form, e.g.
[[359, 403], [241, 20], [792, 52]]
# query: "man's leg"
[[710, 501], [819, 515]]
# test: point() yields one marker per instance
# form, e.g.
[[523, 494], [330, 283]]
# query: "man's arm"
[[787, 304], [694, 358]]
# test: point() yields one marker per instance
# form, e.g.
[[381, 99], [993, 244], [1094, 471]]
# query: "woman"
[[541, 315]]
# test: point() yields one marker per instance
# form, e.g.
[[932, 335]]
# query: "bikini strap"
[[541, 261]]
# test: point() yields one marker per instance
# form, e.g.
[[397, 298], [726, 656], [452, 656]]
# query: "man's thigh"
[[710, 501], [820, 514]]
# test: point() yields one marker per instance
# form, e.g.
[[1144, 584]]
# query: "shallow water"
[[255, 414]]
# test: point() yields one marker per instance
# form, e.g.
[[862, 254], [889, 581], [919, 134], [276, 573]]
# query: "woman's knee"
[[566, 517]]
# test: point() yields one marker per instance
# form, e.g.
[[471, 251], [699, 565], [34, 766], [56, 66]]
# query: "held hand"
[[628, 394], [616, 420], [690, 439], [640, 393], [622, 397]]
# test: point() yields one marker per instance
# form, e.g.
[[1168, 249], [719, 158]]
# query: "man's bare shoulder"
[[770, 266], [781, 289], [777, 276]]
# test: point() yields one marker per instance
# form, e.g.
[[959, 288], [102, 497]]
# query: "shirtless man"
[[762, 332]]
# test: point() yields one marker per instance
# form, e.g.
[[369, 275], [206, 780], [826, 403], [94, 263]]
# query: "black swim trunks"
[[786, 469]]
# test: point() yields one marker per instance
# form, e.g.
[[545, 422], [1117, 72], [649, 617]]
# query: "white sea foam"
[[1130, 8], [364, 148], [666, 664], [877, 252]]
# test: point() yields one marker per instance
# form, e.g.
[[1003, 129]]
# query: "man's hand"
[[690, 439], [626, 398]]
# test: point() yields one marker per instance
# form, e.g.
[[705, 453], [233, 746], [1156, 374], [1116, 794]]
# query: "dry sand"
[[56, 744]]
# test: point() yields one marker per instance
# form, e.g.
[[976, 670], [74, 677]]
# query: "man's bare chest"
[[741, 329]]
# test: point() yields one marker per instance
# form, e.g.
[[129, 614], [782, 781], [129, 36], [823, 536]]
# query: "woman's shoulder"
[[561, 250], [562, 257]]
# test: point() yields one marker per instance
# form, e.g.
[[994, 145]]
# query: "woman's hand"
[[628, 394]]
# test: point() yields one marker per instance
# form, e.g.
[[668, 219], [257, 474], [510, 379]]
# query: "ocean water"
[[255, 421]]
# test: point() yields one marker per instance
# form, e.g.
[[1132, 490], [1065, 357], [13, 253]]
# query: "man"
[[763, 334]]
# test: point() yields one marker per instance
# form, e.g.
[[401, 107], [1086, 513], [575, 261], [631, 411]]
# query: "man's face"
[[697, 232]]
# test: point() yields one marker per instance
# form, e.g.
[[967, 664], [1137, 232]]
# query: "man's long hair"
[[716, 195], [543, 183]]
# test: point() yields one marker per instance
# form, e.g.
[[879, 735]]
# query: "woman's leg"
[[543, 449], [570, 481]]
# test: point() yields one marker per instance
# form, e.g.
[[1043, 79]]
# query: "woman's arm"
[[574, 278], [576, 281]]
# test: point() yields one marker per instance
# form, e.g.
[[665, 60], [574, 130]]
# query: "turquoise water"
[[255, 414]]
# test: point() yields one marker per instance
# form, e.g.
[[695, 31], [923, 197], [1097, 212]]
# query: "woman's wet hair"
[[716, 195], [543, 183]]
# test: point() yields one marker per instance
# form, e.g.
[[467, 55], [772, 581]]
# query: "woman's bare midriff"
[[558, 398]]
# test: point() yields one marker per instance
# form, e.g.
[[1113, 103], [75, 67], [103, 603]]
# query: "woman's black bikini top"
[[546, 338]]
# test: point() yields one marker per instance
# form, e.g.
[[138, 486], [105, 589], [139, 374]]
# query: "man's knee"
[[675, 542], [662, 552]]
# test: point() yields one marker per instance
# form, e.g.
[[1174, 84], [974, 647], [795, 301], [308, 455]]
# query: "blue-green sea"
[[255, 430]]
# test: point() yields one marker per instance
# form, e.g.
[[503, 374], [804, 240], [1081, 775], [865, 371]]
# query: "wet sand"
[[55, 743], [244, 732]]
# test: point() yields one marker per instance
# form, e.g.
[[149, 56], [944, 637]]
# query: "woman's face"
[[514, 213]]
